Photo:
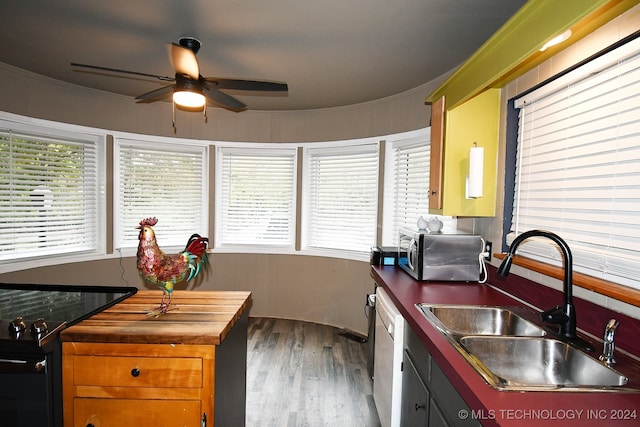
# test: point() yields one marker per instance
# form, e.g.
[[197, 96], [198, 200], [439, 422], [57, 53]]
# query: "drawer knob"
[[418, 407], [135, 372], [90, 425]]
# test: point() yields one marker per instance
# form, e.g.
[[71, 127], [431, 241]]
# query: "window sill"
[[603, 287]]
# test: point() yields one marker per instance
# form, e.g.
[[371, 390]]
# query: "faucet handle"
[[612, 325], [608, 346]]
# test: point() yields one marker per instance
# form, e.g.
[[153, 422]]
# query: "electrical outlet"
[[488, 246]]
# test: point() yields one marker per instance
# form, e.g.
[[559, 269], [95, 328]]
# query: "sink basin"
[[513, 353], [479, 320], [530, 363]]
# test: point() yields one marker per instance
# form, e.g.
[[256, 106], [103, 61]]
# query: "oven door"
[[27, 392]]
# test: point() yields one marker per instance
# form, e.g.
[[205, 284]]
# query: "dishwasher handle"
[[386, 311]]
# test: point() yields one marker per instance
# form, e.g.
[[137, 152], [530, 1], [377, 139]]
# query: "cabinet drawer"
[[136, 413], [137, 371]]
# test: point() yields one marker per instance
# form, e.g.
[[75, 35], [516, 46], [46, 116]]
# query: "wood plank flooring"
[[305, 374]]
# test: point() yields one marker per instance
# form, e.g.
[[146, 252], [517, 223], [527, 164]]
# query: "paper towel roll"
[[476, 166]]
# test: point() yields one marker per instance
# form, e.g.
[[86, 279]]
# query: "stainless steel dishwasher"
[[387, 365]]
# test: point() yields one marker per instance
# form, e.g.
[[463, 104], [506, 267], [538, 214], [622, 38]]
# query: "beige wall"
[[325, 290], [36, 96]]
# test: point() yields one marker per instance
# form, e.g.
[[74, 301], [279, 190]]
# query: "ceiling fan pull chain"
[[173, 121]]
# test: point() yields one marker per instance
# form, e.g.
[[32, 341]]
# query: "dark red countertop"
[[490, 406]]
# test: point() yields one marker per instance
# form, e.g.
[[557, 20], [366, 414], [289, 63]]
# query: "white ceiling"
[[330, 52]]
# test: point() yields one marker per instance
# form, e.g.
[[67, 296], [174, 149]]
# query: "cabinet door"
[[449, 400], [136, 413], [437, 149], [415, 396], [436, 419]]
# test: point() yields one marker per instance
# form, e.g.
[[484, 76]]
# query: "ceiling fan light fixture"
[[188, 94], [189, 99]]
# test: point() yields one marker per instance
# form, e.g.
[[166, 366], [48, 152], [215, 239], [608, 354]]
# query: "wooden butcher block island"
[[187, 367]]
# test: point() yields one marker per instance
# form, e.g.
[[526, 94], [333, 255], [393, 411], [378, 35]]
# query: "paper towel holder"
[[474, 181]]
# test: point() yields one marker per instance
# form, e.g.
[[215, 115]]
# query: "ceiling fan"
[[189, 89]]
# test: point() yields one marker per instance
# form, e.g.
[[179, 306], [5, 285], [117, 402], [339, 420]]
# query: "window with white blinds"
[[256, 196], [578, 166], [49, 193], [340, 197], [406, 193], [166, 181], [406, 184]]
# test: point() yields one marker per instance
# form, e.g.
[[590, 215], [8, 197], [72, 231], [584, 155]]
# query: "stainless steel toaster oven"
[[440, 256]]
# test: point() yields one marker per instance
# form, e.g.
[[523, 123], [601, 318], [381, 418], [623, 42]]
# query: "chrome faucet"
[[608, 346], [564, 315]]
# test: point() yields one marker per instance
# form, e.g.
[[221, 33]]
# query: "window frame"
[[254, 150], [333, 148], [77, 134], [390, 221], [151, 143]]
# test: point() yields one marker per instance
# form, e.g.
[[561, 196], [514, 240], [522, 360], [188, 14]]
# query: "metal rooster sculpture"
[[164, 270]]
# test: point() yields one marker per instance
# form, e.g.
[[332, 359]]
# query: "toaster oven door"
[[409, 258]]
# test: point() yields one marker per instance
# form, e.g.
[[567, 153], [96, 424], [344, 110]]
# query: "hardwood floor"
[[305, 374]]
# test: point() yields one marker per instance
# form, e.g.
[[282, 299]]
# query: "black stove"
[[33, 315], [31, 318]]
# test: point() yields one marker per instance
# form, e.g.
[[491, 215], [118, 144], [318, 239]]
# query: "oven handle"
[[21, 366]]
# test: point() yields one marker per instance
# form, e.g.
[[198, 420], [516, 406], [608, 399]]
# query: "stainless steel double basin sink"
[[513, 353]]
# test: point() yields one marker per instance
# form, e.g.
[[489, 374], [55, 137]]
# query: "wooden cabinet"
[[428, 397], [436, 154], [137, 385], [453, 133], [185, 368]]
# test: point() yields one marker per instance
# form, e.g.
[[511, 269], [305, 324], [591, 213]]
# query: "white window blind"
[[578, 166], [49, 194], [257, 196], [168, 182], [406, 191], [341, 197], [411, 179]]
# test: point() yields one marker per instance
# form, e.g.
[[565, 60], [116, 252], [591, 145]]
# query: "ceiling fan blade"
[[184, 61], [116, 70], [156, 95], [224, 100], [239, 84]]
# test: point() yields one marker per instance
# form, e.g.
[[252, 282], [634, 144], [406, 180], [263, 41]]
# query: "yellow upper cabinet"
[[474, 123]]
